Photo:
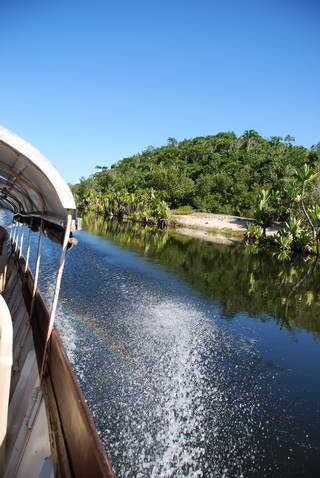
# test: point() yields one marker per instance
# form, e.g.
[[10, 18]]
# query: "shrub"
[[183, 210], [253, 234]]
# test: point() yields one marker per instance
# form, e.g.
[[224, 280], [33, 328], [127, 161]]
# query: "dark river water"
[[196, 359]]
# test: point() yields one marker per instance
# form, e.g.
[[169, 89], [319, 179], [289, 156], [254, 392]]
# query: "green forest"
[[271, 179]]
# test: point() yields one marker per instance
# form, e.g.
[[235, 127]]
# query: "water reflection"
[[194, 358], [240, 281], [193, 361]]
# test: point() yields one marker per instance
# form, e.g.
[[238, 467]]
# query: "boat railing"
[[75, 444]]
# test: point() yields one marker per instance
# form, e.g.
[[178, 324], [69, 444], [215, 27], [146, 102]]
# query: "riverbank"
[[210, 236], [219, 228]]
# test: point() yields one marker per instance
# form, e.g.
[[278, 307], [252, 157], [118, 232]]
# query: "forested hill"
[[221, 174]]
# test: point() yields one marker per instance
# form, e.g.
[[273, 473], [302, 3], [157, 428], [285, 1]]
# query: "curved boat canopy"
[[30, 186]]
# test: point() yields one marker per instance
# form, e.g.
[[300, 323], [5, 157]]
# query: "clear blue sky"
[[89, 82]]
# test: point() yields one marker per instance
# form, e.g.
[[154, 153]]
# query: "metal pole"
[[17, 237], [28, 248], [56, 290], [14, 233], [19, 233], [36, 275], [21, 242]]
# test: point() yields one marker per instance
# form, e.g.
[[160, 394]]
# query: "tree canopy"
[[221, 173]]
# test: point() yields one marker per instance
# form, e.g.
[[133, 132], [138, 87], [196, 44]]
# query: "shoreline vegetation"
[[210, 186]]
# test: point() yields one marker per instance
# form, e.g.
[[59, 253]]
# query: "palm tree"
[[304, 177], [263, 213]]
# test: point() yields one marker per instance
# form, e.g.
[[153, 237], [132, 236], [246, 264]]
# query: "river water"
[[196, 359]]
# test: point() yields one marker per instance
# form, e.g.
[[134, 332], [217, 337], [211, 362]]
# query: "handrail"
[[6, 350], [75, 443]]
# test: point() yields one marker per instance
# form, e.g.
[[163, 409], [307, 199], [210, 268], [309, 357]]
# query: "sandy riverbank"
[[219, 228], [203, 235]]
